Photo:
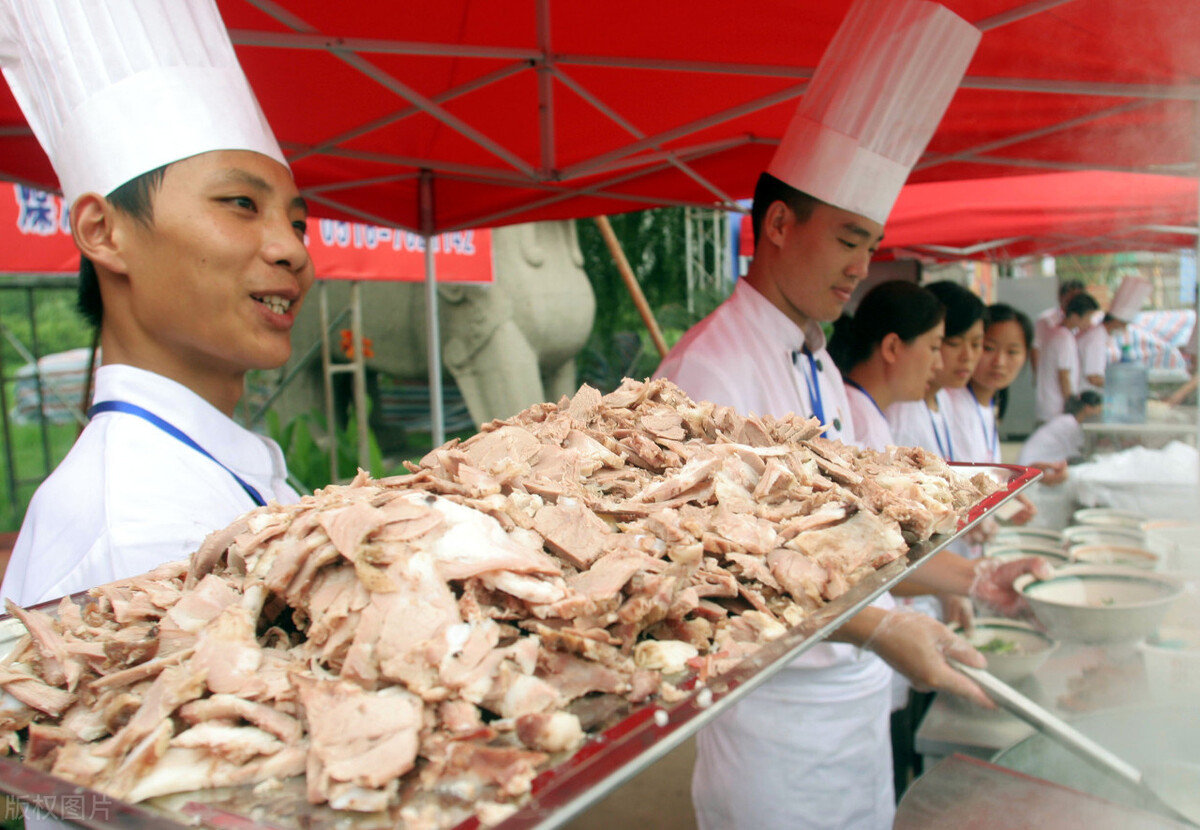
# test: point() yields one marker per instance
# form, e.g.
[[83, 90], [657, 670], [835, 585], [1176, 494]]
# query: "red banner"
[[35, 237]]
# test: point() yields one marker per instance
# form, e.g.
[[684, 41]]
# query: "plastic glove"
[[917, 646], [1053, 472], [982, 532], [958, 609], [992, 587], [1026, 513]]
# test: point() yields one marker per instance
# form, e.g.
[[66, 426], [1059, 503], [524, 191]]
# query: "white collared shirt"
[[129, 497], [973, 427], [914, 424]]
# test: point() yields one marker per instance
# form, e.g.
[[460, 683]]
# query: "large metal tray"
[[628, 740]]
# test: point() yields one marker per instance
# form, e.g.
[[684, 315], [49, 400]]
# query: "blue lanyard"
[[174, 432], [947, 450], [858, 386], [993, 444], [813, 383]]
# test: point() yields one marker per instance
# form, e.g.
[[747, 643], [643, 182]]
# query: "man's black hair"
[[1070, 287], [135, 199], [770, 190], [1081, 304], [1076, 403]]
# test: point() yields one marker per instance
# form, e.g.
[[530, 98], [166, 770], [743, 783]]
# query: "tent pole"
[[631, 283], [360, 375], [437, 426], [327, 374]]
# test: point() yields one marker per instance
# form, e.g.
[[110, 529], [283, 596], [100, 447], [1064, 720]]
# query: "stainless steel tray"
[[630, 739]]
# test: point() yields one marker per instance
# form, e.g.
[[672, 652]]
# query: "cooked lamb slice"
[[33, 692], [609, 574], [799, 575], [44, 742], [349, 526], [139, 672], [469, 543], [509, 768], [230, 707], [550, 731], [198, 606], [182, 769], [748, 533], [515, 693], [595, 455], [236, 744], [572, 531], [83, 721], [206, 557], [494, 451], [227, 651], [575, 677], [175, 686], [58, 667], [847, 550], [754, 567], [594, 644], [697, 470], [585, 405], [132, 767], [358, 737], [461, 717]]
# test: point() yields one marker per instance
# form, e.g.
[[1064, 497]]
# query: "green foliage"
[[654, 242], [30, 465], [59, 325], [306, 449]]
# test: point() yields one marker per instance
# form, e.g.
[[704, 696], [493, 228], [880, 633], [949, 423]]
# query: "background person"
[[193, 266], [1060, 441], [1052, 318], [887, 352], [1058, 372], [1093, 351]]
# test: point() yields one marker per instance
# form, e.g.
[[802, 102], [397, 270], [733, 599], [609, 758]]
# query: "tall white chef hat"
[[116, 88], [876, 98], [1127, 302]]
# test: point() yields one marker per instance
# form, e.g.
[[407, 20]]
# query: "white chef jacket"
[[914, 424], [1093, 355], [1059, 439], [973, 427], [871, 429], [1060, 352], [1044, 326], [129, 497], [810, 748]]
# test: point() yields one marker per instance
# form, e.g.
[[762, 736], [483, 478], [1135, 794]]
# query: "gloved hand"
[[1053, 472], [982, 532], [992, 587], [958, 609], [917, 646]]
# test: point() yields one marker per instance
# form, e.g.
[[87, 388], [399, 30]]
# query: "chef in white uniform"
[[1093, 343], [1052, 318], [1058, 369], [810, 748], [1061, 439], [194, 266]]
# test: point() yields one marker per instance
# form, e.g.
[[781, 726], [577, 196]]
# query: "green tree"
[[654, 242]]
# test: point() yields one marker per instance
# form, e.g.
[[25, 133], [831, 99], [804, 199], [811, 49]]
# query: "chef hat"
[[877, 96], [117, 88], [1127, 302]]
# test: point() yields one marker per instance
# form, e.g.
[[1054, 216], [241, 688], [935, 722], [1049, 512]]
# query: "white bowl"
[[1007, 553], [1101, 535], [1124, 555], [1110, 517], [1177, 544], [1027, 536], [1099, 603], [1028, 647]]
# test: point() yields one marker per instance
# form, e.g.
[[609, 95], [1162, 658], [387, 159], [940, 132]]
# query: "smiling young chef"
[[194, 266], [811, 747]]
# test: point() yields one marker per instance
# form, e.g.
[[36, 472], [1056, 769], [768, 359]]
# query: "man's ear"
[[889, 347], [94, 226], [775, 222]]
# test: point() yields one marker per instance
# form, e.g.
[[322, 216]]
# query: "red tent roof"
[[537, 109]]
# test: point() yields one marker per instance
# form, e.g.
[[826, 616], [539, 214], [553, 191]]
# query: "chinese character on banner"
[[38, 211]]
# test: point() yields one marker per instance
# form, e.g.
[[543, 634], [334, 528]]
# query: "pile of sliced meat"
[[431, 631]]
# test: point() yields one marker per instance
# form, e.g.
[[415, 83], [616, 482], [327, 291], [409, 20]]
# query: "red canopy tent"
[[1003, 218], [543, 109]]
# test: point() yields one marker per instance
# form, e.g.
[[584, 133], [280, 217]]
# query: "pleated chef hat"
[[876, 98], [116, 88], [1127, 302]]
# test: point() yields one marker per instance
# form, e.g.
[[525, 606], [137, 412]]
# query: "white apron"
[[811, 747], [129, 497]]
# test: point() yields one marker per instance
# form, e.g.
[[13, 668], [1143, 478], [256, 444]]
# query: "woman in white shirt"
[[887, 352]]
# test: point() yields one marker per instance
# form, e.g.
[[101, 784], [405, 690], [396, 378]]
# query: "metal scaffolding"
[[709, 251]]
